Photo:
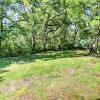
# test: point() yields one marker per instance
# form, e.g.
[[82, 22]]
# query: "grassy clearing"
[[68, 75]]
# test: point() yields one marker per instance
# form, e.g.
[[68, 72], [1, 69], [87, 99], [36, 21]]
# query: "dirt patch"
[[87, 66], [69, 71], [62, 95], [71, 96], [39, 77], [10, 87], [51, 97], [52, 94], [23, 97], [62, 73], [97, 74], [24, 82], [85, 73]]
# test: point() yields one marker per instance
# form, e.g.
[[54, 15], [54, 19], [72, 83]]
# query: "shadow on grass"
[[1, 79], [1, 72], [4, 62]]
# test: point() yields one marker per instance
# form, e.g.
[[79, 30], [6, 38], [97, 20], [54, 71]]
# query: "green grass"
[[68, 75]]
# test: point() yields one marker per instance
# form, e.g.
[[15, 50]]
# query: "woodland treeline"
[[31, 26]]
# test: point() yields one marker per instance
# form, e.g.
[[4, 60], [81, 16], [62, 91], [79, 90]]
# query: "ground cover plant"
[[67, 75]]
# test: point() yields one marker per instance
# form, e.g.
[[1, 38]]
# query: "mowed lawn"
[[67, 75]]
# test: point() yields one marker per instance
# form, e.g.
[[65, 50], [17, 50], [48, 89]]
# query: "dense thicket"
[[30, 26]]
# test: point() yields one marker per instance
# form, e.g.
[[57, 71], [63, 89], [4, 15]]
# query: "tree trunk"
[[33, 43], [1, 31], [45, 33], [0, 36], [33, 38], [97, 38], [75, 34], [44, 39]]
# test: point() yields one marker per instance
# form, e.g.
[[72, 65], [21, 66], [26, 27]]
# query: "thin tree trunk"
[[33, 43], [45, 33], [1, 37], [45, 38], [75, 34], [1, 31], [97, 38], [33, 38]]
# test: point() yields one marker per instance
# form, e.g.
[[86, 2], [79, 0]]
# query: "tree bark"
[[1, 36], [97, 38], [33, 38], [45, 33], [75, 34], [1, 31]]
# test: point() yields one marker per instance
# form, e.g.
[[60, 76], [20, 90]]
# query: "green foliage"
[[37, 25]]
